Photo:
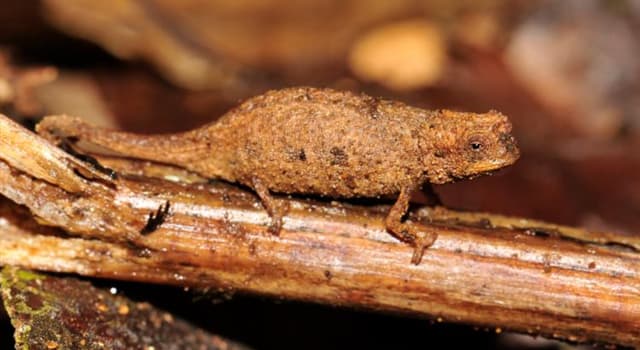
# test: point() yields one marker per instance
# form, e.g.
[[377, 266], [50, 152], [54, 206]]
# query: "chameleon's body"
[[324, 142]]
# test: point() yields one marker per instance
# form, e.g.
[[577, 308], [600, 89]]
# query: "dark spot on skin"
[[328, 275], [339, 156], [156, 219], [294, 155], [439, 153]]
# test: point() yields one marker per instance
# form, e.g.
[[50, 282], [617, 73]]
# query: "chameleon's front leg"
[[275, 208], [406, 231]]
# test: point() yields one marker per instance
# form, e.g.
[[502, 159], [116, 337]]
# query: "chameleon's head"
[[467, 145]]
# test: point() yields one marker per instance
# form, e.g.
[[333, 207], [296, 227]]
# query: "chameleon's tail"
[[169, 148]]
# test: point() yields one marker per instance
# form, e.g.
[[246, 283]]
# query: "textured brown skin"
[[324, 142]]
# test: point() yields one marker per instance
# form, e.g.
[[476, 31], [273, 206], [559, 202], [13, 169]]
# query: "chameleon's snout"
[[507, 148], [510, 146]]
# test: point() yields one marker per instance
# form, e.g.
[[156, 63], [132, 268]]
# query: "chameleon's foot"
[[275, 226], [274, 207], [405, 230], [277, 215], [422, 241]]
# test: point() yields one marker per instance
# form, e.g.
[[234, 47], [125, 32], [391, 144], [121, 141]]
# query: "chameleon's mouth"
[[509, 155], [486, 168]]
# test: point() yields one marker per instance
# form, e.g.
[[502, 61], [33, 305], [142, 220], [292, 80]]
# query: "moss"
[[25, 275], [70, 314]]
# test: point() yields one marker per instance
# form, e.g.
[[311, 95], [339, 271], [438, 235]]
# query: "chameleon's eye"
[[475, 143]]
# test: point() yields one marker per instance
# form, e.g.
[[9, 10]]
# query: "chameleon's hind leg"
[[406, 231], [275, 208]]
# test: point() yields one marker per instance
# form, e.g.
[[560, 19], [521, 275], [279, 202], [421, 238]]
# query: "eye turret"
[[476, 145]]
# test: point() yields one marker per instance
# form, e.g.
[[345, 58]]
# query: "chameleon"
[[336, 144]]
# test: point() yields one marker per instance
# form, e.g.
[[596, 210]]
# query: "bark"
[[484, 269]]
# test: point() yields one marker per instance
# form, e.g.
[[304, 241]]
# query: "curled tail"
[[169, 148]]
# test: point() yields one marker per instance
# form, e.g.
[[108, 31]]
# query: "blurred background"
[[566, 73]]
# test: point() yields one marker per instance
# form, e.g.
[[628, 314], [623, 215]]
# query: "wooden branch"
[[483, 269]]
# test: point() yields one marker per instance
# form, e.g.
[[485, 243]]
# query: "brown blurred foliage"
[[565, 72]]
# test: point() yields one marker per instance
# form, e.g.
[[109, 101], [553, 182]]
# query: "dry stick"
[[217, 236]]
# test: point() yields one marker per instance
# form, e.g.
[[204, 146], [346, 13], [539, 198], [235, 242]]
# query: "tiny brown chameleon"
[[328, 143]]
